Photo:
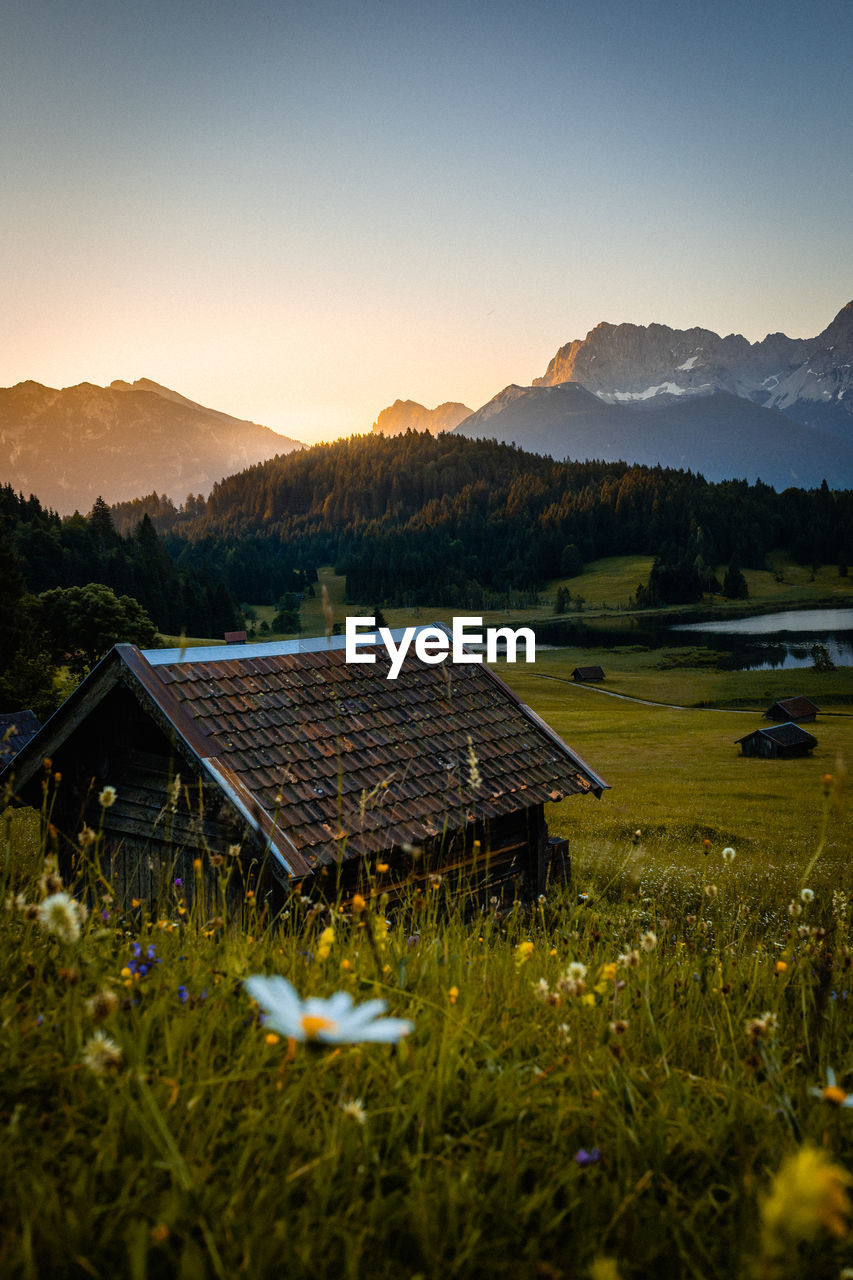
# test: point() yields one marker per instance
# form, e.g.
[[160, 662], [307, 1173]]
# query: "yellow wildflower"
[[808, 1194], [324, 944], [604, 1269], [522, 953], [453, 995]]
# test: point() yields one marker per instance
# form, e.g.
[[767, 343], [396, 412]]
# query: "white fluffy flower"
[[332, 1021], [354, 1108], [101, 1054], [107, 797], [728, 854], [62, 915], [807, 895]]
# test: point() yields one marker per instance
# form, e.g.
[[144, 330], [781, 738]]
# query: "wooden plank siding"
[[165, 814]]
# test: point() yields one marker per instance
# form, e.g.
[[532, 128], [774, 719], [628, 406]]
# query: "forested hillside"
[[54, 552], [419, 519]]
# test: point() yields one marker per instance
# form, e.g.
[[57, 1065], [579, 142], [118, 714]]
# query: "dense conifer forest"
[[418, 519]]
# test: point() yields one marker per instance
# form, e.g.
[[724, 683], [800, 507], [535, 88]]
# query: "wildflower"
[[604, 1268], [183, 994], [761, 1028], [358, 904], [576, 971], [101, 1054], [234, 850], [382, 867], [832, 1092], [781, 966], [523, 952], [107, 797], [728, 854], [475, 781], [159, 1233], [196, 865], [808, 1193], [630, 959], [435, 880], [584, 1157], [711, 891], [794, 908], [543, 992], [332, 1021], [354, 1108], [607, 972], [141, 963], [453, 995], [619, 1027], [62, 915], [649, 941], [324, 945], [271, 1038], [86, 836], [102, 1005], [807, 895]]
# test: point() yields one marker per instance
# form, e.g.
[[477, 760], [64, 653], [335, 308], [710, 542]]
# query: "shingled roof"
[[16, 730], [784, 735], [323, 758], [797, 708]]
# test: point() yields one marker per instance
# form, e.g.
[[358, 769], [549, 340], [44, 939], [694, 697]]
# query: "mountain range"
[[780, 410], [118, 442]]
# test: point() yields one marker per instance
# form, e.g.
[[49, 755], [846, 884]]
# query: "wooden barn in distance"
[[799, 709], [309, 764], [778, 742], [588, 675]]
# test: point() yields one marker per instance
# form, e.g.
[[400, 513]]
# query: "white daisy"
[[332, 1021]]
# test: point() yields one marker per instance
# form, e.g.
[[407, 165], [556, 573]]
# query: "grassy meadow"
[[643, 1074]]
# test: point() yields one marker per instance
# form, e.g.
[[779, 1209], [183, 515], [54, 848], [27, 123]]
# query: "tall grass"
[[631, 1120]]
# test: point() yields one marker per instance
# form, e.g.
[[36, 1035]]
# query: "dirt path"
[[646, 702]]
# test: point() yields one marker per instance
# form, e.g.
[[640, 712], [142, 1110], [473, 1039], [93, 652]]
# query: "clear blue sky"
[[298, 212]]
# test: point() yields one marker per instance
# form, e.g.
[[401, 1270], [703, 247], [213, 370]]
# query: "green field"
[[670, 1111], [606, 587]]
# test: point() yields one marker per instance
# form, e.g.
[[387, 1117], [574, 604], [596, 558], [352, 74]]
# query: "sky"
[[299, 212]]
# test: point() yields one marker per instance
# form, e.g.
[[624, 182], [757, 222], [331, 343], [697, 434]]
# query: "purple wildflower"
[[584, 1157]]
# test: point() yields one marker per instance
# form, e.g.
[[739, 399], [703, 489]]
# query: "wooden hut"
[[778, 742], [307, 764], [588, 675], [16, 730], [799, 709]]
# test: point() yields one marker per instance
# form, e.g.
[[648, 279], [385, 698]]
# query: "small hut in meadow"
[[311, 766], [800, 709], [778, 742], [588, 675], [16, 729]]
